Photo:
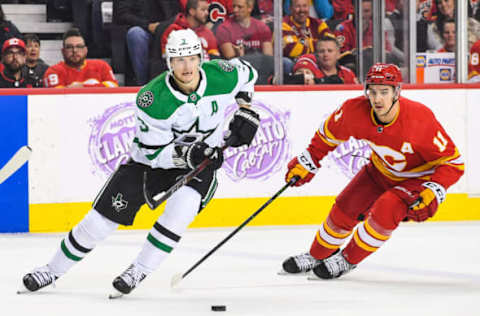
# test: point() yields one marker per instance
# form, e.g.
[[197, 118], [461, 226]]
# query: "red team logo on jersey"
[[217, 12]]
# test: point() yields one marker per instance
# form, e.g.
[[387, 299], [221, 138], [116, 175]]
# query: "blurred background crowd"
[[101, 43]]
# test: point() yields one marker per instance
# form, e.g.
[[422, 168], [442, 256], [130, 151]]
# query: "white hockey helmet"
[[183, 43]]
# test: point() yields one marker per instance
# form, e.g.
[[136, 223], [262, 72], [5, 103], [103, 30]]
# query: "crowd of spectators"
[[318, 38]]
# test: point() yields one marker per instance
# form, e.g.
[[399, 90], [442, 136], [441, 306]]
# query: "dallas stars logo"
[[194, 129], [118, 203]]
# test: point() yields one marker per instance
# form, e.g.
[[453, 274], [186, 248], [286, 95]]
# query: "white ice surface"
[[424, 269]]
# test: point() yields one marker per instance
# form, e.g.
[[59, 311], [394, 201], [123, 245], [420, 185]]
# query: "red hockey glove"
[[423, 200], [303, 167]]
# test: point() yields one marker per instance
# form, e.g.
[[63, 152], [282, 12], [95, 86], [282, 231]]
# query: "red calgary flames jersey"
[[413, 145], [94, 73], [474, 61]]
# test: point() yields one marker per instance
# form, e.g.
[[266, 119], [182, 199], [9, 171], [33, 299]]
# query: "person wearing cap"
[[13, 59], [321, 67], [413, 162]]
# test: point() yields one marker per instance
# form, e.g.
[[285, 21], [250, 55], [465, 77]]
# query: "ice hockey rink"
[[424, 269]]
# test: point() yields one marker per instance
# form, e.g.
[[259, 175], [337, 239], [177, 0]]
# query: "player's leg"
[[180, 210], [385, 215], [351, 206], [117, 203]]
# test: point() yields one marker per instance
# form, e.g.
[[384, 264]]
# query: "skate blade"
[[23, 290], [116, 294], [285, 273]]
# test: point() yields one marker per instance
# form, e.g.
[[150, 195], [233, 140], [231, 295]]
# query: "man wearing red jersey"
[[474, 63], [413, 163], [76, 71], [195, 18]]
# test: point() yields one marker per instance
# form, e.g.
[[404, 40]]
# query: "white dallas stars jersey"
[[163, 114]]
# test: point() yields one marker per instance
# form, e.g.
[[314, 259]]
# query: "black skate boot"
[[37, 279], [299, 264], [127, 281], [333, 267]]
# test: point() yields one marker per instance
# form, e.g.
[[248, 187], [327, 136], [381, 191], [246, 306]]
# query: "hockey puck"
[[219, 308]]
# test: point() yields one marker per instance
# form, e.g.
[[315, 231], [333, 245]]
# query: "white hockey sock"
[[80, 241], [181, 209]]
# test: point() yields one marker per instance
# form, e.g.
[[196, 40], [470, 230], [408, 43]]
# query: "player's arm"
[[244, 124], [443, 157], [331, 133]]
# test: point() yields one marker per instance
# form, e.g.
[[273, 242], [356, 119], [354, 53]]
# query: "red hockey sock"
[[386, 213], [332, 234]]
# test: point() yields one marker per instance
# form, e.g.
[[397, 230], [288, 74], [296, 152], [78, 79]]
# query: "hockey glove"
[[422, 200], [303, 167], [242, 127], [199, 151]]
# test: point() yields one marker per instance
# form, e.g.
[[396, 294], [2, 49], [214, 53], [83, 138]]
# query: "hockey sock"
[[386, 213], [80, 241], [332, 234], [181, 209]]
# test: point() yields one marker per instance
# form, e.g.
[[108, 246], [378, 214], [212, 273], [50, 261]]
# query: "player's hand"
[[303, 167], [199, 151], [422, 200], [242, 127]]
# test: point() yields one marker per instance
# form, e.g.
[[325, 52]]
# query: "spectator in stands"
[[323, 8], [301, 31], [244, 36], [13, 60], [7, 29], [241, 34], [343, 10], [429, 37], [447, 29], [76, 71], [196, 18], [347, 34], [322, 67], [147, 20], [34, 67]]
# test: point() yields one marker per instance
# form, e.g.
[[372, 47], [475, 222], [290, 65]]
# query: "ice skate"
[[37, 279], [127, 281], [332, 267], [298, 265]]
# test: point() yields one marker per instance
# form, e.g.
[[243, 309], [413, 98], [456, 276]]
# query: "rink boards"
[[79, 138]]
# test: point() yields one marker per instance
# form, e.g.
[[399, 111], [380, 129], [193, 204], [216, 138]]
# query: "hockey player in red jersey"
[[413, 163]]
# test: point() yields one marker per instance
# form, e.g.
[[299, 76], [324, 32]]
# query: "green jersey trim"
[[221, 79]]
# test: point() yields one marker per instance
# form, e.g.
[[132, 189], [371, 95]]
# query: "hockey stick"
[[18, 159], [153, 201], [179, 277]]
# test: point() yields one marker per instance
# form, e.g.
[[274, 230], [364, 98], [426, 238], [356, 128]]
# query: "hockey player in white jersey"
[[186, 103]]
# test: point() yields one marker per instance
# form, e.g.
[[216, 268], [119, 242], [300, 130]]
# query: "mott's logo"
[[445, 74], [268, 151], [349, 157], [421, 61], [111, 137]]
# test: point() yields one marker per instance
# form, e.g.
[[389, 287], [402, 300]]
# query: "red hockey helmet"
[[387, 74]]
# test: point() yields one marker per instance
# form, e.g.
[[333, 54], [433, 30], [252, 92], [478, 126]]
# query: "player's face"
[[328, 53], [300, 10], [381, 98], [14, 58], [185, 69], [74, 51], [33, 51]]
